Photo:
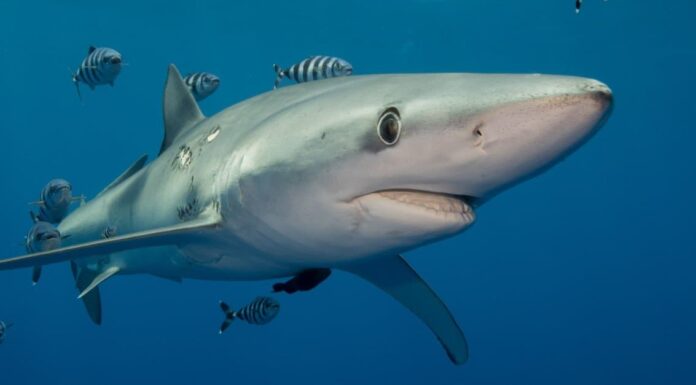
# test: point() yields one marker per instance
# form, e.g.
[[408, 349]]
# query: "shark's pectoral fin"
[[103, 276], [171, 235], [92, 299], [395, 276]]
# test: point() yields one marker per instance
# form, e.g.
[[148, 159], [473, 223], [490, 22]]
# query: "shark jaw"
[[336, 190], [448, 213]]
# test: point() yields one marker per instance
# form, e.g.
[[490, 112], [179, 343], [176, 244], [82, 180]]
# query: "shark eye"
[[389, 127]]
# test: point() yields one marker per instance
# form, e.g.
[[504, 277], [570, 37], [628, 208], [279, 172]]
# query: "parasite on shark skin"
[[313, 68], [101, 66], [201, 84], [55, 201], [260, 311], [326, 174]]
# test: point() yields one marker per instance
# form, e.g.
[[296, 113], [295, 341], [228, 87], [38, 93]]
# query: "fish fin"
[[91, 300], [91, 49], [76, 82], [181, 111], [170, 278], [304, 281], [170, 235], [37, 203], [35, 275], [97, 280], [33, 216], [229, 317], [132, 169], [396, 277], [81, 198], [280, 74]]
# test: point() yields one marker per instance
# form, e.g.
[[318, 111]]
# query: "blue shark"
[[346, 173]]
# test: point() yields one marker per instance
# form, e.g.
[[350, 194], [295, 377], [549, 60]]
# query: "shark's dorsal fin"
[[181, 111], [132, 169], [396, 277], [170, 235]]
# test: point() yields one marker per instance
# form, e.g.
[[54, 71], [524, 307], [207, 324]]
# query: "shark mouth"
[[446, 206]]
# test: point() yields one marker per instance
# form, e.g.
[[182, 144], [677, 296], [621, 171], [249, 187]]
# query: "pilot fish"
[[3, 329], [313, 68], [42, 236], [55, 200], [201, 84], [101, 66], [260, 311]]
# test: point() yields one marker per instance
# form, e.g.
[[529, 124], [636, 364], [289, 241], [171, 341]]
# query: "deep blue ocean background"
[[583, 275]]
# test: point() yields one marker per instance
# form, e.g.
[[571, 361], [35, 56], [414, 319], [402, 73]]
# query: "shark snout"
[[537, 126]]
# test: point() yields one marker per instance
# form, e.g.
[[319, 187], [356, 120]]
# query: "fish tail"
[[76, 82], [280, 74], [229, 316]]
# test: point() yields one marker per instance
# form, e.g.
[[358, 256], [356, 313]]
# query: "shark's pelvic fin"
[[103, 276], [92, 300], [171, 235], [181, 111], [395, 276], [132, 169]]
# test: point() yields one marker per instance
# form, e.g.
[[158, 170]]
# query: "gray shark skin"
[[299, 178]]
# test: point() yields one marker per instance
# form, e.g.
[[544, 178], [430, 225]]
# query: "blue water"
[[583, 275]]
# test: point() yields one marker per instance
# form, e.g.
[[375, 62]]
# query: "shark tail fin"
[[280, 74], [229, 316]]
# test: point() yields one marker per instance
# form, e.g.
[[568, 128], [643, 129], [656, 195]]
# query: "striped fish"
[[260, 311], [55, 201], [201, 84], [101, 66], [3, 329], [313, 68], [42, 236]]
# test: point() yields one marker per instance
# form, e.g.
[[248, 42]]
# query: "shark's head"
[[380, 164]]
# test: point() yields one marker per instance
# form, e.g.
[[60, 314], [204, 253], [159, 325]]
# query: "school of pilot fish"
[[102, 66]]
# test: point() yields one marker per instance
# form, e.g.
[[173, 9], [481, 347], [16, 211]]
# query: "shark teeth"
[[440, 203]]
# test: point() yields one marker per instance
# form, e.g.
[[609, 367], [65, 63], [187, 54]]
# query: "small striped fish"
[[42, 236], [260, 311], [3, 329], [314, 68], [101, 66], [201, 84], [55, 201]]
